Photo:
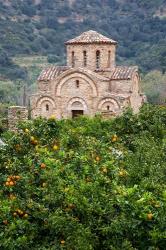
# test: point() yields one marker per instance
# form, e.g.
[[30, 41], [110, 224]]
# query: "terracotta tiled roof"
[[123, 73], [119, 73], [51, 73], [91, 36]]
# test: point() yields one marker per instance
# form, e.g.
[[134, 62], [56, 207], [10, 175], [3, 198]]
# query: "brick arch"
[[109, 100], [45, 98], [77, 100], [80, 75]]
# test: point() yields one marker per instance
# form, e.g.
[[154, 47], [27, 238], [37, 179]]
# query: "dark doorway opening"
[[76, 113]]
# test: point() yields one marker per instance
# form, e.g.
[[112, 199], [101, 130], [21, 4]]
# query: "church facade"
[[90, 83]]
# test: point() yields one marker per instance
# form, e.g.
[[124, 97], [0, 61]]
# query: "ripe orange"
[[20, 212], [25, 216], [16, 177], [5, 222], [104, 170], [55, 147], [44, 184], [26, 130], [43, 165], [12, 197], [114, 138], [62, 242], [17, 147], [88, 179], [7, 183], [122, 173], [52, 117], [35, 142], [150, 216], [97, 158], [8, 179], [71, 206], [11, 183]]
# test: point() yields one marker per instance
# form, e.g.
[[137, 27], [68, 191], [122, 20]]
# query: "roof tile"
[[51, 73], [90, 36]]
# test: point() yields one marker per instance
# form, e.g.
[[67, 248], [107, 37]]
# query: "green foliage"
[[85, 183], [154, 86], [3, 117]]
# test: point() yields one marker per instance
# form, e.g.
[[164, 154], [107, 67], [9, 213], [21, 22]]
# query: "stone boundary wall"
[[15, 115]]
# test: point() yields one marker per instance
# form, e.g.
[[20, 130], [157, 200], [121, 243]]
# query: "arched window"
[[77, 84], [97, 59], [109, 59], [73, 59], [108, 108], [84, 58], [47, 107]]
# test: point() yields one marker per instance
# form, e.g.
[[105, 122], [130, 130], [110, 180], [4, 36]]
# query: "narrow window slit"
[[47, 107], [97, 59], [77, 84]]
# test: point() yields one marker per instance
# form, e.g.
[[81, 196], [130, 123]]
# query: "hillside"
[[41, 27], [34, 31]]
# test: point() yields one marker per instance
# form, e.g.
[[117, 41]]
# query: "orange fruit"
[[32, 138], [71, 206], [12, 197], [44, 184], [105, 170], [55, 147], [17, 177], [11, 183], [97, 158], [20, 212], [88, 179], [150, 216], [62, 242], [18, 147], [7, 183], [8, 179], [5, 222], [114, 138], [122, 173], [14, 214], [26, 130], [43, 165], [52, 117], [35, 142], [25, 216]]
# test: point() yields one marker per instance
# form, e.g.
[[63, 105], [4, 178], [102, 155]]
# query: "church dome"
[[91, 37]]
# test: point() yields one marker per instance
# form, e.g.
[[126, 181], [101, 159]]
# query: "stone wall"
[[15, 115], [107, 55]]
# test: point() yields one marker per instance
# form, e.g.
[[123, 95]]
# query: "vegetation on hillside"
[[41, 27], [38, 29], [85, 184]]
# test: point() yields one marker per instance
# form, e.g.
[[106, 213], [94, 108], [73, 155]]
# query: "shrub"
[[78, 184]]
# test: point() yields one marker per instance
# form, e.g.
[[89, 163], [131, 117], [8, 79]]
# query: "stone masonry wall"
[[15, 115], [107, 55]]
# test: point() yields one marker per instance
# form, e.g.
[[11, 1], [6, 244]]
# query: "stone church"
[[90, 83]]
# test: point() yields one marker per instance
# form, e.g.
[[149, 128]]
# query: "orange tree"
[[85, 184]]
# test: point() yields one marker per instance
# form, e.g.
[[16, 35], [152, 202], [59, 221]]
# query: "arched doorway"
[[77, 107]]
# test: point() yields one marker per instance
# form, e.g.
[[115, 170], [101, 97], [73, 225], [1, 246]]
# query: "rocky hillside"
[[41, 27]]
